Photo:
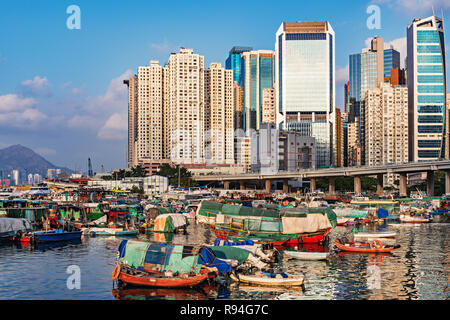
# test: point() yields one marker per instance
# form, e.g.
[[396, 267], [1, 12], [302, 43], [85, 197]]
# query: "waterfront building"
[[257, 75], [426, 78], [132, 83], [186, 108], [219, 118], [274, 150], [305, 84], [155, 184], [339, 138], [269, 112], [386, 119]]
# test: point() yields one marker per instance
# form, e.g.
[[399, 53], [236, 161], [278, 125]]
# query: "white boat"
[[291, 281], [375, 235], [307, 255], [413, 219]]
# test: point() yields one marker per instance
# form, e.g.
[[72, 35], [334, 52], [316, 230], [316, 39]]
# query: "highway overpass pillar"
[[380, 183], [312, 184], [403, 185], [357, 184], [268, 185], [430, 183], [331, 185], [226, 185], [447, 182], [242, 184], [285, 185]]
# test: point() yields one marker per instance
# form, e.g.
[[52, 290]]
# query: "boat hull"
[[56, 237], [364, 248], [307, 255], [175, 282], [272, 282]]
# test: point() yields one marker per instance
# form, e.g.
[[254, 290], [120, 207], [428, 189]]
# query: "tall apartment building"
[[305, 84], [426, 78], [132, 83], [339, 138], [186, 108], [353, 143], [257, 75], [386, 119], [150, 146], [269, 111], [219, 106]]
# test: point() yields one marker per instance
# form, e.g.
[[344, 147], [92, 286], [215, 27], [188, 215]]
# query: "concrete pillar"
[[380, 183], [447, 182], [312, 184], [331, 185], [403, 185], [268, 189], [357, 184], [242, 185], [285, 185], [430, 183], [226, 185]]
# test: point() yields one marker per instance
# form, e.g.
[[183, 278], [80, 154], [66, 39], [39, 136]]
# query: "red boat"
[[374, 247], [157, 279]]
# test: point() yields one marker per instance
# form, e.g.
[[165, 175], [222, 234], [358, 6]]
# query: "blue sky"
[[61, 90]]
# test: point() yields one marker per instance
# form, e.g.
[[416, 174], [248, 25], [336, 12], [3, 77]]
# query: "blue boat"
[[57, 235]]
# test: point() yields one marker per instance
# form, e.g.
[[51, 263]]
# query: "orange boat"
[[157, 279], [376, 246]]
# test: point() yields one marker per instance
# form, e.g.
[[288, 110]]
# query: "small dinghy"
[[307, 255], [414, 219], [376, 246], [375, 235], [290, 281]]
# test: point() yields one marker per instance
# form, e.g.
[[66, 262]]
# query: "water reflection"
[[418, 270]]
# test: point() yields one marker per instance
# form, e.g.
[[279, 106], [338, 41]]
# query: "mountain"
[[18, 157]]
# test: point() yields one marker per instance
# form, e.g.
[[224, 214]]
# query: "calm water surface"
[[418, 270]]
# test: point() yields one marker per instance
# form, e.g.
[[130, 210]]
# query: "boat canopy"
[[162, 257], [14, 225]]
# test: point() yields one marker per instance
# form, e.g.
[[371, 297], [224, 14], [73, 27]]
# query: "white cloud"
[[399, 45], [86, 122], [421, 8], [115, 128], [13, 102], [163, 47], [36, 87], [28, 119]]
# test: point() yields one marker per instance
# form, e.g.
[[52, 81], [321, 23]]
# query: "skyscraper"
[[391, 61], [219, 107], [305, 84], [426, 89], [257, 75], [233, 62], [132, 84]]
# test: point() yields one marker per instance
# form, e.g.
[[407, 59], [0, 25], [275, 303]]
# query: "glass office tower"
[[257, 74], [426, 89], [305, 83], [391, 61], [233, 62]]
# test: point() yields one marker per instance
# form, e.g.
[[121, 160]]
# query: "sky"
[[62, 91]]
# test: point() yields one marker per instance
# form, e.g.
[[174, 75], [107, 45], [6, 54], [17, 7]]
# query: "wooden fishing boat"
[[374, 247], [414, 219], [158, 279], [307, 255], [57, 235], [291, 281]]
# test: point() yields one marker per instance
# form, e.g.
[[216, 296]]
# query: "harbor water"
[[418, 270]]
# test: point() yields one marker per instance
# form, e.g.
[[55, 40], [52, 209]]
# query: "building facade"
[[269, 111], [257, 75], [426, 78], [305, 84], [132, 84]]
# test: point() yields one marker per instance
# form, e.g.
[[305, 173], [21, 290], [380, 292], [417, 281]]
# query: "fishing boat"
[[165, 265], [307, 255], [414, 219], [376, 246], [108, 232], [13, 228], [289, 281], [56, 236]]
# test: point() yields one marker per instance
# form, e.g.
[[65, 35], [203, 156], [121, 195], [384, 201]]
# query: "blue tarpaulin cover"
[[382, 213]]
